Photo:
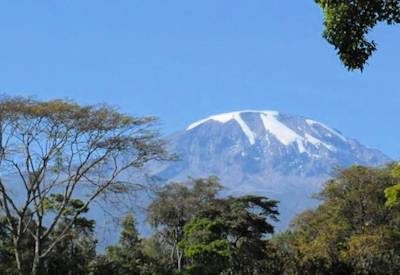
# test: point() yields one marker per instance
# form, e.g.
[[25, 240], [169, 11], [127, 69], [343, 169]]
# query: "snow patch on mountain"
[[283, 133], [224, 118], [313, 123], [278, 129], [318, 142], [279, 155], [308, 136], [247, 131]]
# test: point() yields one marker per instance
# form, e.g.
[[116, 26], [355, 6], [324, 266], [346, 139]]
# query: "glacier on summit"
[[275, 127], [282, 156]]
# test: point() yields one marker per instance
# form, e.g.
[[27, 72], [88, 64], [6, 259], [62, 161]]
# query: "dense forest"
[[57, 157]]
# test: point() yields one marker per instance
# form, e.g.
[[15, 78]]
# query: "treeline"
[[58, 157], [195, 232], [353, 231]]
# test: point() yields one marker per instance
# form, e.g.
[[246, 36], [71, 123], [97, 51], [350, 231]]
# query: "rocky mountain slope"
[[281, 156]]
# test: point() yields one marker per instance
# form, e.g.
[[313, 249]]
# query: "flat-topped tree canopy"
[[60, 149]]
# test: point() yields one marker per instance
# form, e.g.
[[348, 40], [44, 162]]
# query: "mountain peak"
[[225, 117], [283, 156], [286, 129], [236, 116]]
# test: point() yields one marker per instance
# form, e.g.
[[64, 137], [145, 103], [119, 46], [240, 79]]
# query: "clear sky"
[[184, 60]]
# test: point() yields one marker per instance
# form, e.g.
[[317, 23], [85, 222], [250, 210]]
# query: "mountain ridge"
[[282, 156]]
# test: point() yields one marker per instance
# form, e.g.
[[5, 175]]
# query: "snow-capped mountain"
[[282, 156]]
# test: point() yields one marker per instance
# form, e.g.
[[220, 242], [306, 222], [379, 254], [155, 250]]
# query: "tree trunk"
[[179, 255], [37, 259], [35, 265], [18, 259]]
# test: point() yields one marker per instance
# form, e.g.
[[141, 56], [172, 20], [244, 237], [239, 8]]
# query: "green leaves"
[[352, 231], [213, 234], [203, 238], [127, 256], [392, 195], [56, 202], [348, 22], [59, 151]]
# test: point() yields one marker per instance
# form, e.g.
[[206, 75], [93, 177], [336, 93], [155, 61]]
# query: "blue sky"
[[184, 60]]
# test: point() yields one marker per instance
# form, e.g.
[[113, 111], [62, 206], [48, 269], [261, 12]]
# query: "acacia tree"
[[347, 23], [54, 151]]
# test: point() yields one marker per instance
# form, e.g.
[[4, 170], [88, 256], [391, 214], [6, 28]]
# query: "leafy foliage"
[[392, 193], [205, 246], [126, 257], [52, 152], [351, 232], [347, 23], [355, 229], [175, 205]]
